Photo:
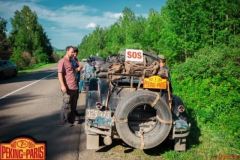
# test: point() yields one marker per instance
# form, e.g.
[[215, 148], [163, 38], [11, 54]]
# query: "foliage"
[[28, 35], [178, 32], [5, 48], [200, 40], [210, 84], [55, 57], [128, 30], [36, 67], [199, 23]]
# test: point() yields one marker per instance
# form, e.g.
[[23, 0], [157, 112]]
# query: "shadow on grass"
[[195, 132]]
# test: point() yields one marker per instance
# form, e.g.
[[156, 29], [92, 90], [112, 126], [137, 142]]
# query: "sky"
[[66, 22]]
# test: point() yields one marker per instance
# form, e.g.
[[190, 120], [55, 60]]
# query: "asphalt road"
[[30, 106]]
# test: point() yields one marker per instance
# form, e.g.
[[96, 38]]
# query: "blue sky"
[[66, 22]]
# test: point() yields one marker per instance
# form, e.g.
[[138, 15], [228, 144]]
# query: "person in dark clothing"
[[76, 64], [78, 68], [162, 61], [165, 69]]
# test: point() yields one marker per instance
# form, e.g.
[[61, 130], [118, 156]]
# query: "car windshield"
[[9, 63]]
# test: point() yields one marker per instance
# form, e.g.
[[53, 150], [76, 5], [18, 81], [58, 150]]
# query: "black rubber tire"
[[161, 130]]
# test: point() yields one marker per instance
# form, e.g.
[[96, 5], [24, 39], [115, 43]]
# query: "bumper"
[[180, 129], [100, 125]]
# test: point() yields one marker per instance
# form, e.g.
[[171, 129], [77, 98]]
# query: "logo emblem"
[[22, 148], [155, 82]]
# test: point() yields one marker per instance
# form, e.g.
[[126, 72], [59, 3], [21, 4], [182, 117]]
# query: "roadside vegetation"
[[201, 41], [28, 44], [36, 67]]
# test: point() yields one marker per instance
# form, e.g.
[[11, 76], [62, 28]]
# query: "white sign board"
[[134, 55]]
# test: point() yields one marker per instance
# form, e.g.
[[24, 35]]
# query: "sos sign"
[[134, 55]]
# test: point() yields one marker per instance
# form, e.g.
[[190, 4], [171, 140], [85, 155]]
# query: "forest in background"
[[201, 41], [28, 43]]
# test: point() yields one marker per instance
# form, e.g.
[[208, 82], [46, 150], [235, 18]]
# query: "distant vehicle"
[[7, 69]]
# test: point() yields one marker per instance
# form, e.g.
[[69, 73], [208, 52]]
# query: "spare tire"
[[136, 111]]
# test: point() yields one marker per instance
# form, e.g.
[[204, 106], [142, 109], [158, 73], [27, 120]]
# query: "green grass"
[[203, 143], [60, 52], [212, 143], [36, 67]]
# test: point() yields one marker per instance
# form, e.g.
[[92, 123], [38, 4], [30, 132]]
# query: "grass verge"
[[36, 67], [205, 143]]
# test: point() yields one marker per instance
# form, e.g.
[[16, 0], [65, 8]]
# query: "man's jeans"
[[69, 105]]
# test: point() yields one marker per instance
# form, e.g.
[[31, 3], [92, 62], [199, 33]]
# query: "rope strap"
[[163, 121], [156, 100], [120, 121], [140, 134]]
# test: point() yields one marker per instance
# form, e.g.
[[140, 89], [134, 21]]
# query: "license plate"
[[93, 113]]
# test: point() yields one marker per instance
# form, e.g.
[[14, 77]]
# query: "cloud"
[[67, 16], [53, 15], [112, 15], [91, 25], [82, 8], [77, 18], [138, 5]]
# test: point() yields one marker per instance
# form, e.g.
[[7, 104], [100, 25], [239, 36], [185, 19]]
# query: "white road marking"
[[26, 86]]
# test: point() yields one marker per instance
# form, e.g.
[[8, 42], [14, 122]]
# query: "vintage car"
[[133, 102]]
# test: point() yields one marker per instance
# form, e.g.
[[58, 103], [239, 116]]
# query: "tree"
[[5, 49], [28, 35]]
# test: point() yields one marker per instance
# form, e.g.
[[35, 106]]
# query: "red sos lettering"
[[135, 55]]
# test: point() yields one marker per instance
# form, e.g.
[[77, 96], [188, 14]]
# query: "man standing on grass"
[[69, 88]]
